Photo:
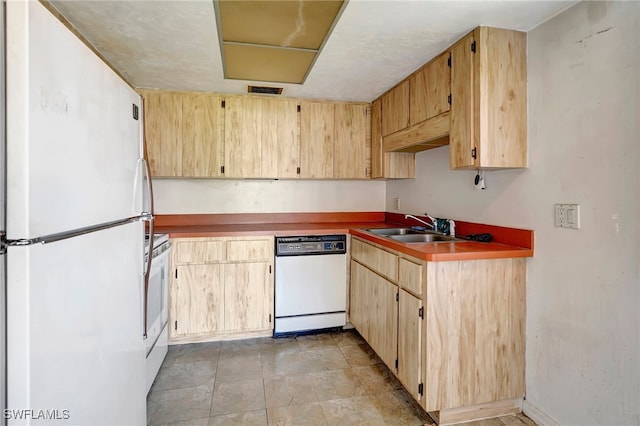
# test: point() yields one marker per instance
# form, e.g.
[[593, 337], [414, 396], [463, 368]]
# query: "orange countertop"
[[508, 242]]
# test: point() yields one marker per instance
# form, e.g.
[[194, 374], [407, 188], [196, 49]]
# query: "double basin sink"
[[412, 236]]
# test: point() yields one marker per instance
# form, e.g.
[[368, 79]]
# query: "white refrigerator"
[[77, 197]]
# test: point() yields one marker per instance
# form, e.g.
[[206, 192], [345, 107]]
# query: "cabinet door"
[[430, 89], [410, 343], [248, 296], [163, 133], [350, 141], [280, 139], [196, 300], [383, 317], [359, 299], [462, 136], [202, 136], [316, 140], [243, 137], [395, 109]]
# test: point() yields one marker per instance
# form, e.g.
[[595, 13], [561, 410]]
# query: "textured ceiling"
[[174, 44]]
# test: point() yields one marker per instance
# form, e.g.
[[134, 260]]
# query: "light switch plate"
[[568, 216], [396, 204]]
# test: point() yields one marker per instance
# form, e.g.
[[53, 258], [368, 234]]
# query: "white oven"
[[157, 307]]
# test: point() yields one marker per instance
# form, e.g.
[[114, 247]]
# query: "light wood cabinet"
[[415, 113], [489, 105], [390, 165], [261, 138], [184, 134], [383, 317], [163, 133], [248, 296], [457, 328], [333, 140], [359, 310], [410, 320], [316, 140], [430, 90], [202, 136], [221, 286], [350, 141], [395, 108], [197, 292]]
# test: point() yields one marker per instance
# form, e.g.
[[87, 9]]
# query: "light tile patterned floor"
[[322, 379]]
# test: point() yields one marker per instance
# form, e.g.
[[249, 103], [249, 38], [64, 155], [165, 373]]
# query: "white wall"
[[583, 289], [174, 196]]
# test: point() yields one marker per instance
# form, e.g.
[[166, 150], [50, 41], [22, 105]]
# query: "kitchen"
[[582, 285]]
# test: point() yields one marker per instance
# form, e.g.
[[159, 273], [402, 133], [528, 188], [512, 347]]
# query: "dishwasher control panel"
[[311, 244]]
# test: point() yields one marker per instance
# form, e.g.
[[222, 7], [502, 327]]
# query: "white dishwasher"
[[310, 283]]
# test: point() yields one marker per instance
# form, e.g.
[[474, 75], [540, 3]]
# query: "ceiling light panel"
[[273, 40]]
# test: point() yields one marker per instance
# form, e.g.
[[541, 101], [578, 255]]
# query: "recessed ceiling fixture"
[[275, 41]]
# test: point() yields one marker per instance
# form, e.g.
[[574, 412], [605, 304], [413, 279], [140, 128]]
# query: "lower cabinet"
[[221, 286], [410, 318], [375, 311], [195, 297], [452, 332]]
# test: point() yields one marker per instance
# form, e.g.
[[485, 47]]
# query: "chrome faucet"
[[432, 224]]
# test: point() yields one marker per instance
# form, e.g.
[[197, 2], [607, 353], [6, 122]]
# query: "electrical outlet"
[[568, 216], [396, 204]]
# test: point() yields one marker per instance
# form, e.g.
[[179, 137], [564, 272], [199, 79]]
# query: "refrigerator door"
[[75, 352], [73, 143]]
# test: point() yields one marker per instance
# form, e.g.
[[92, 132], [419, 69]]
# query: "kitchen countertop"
[[508, 242]]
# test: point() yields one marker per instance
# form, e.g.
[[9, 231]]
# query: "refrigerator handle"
[[149, 257]]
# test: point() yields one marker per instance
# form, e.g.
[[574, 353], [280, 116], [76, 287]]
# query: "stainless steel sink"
[[394, 231], [422, 238], [409, 235]]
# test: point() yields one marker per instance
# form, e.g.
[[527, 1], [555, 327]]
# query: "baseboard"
[[537, 415]]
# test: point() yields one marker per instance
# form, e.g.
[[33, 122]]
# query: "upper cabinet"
[[163, 133], [430, 90], [350, 143], [235, 136], [395, 108], [489, 100], [202, 136], [316, 140], [260, 138], [334, 141], [183, 134], [473, 97], [415, 113]]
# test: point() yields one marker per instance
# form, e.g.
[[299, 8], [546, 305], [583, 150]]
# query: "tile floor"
[[322, 379]]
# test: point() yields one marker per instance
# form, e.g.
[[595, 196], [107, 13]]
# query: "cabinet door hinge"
[[223, 104], [221, 170], [474, 153], [421, 388], [473, 46], [421, 312], [449, 61], [449, 98], [135, 111], [175, 325], [397, 296], [298, 108], [298, 170], [396, 363]]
